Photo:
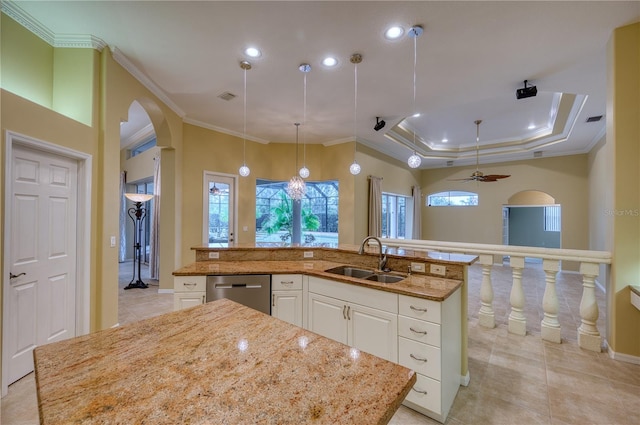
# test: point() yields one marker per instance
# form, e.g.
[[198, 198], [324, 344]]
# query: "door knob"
[[13, 276]]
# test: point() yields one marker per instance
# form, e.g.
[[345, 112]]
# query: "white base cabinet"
[[334, 311], [286, 298], [189, 291], [429, 342]]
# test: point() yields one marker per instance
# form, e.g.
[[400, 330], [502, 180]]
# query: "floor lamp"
[[137, 214]]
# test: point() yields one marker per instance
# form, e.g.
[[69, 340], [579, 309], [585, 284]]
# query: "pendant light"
[[296, 187], [244, 170], [356, 58], [415, 32], [304, 171]]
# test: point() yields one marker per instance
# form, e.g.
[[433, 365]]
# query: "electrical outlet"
[[308, 254], [438, 269], [417, 267], [214, 255]]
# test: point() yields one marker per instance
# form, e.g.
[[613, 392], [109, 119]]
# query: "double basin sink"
[[365, 274]]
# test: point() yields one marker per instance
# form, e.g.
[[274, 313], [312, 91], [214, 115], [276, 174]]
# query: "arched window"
[[454, 198]]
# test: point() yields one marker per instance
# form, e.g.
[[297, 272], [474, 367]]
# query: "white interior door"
[[40, 296]]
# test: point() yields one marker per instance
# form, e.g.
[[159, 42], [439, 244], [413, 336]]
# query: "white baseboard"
[[464, 380], [165, 291], [627, 358], [116, 325]]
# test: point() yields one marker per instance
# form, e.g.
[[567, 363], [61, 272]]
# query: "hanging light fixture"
[[296, 187], [356, 58], [415, 32], [304, 171], [244, 170]]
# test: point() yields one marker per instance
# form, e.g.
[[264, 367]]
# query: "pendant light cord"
[[415, 61], [304, 122], [244, 124], [355, 111]]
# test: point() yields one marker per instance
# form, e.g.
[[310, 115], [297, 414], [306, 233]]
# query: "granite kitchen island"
[[219, 363]]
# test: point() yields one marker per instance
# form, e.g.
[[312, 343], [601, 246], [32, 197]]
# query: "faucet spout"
[[382, 259]]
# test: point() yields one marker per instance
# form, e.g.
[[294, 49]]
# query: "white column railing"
[[588, 335]]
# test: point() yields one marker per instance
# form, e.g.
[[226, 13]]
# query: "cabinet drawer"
[[190, 283], [419, 308], [282, 282], [426, 394], [419, 330], [422, 358]]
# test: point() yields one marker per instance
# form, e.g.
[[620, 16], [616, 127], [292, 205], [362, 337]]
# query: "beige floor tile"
[[572, 408]]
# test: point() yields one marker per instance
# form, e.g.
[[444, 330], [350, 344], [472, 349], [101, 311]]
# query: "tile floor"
[[514, 379]]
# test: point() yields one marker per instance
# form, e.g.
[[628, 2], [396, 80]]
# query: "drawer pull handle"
[[348, 312], [273, 300], [424, 310], [418, 358], [288, 282], [420, 391], [204, 299], [418, 332], [190, 284], [344, 312]]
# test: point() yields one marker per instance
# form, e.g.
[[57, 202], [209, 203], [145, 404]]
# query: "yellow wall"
[[563, 178], [623, 134]]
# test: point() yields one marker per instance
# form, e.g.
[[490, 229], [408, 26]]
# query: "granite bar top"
[[218, 363], [416, 285]]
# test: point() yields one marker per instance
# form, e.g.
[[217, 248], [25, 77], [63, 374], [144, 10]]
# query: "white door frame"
[[207, 175], [83, 239]]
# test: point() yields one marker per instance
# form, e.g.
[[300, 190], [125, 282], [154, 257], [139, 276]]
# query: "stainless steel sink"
[[350, 271], [365, 274], [385, 278]]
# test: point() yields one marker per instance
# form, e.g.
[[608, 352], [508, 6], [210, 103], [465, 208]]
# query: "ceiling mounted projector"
[[526, 91]]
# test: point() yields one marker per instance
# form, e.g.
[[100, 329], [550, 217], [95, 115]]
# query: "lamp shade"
[[138, 197]]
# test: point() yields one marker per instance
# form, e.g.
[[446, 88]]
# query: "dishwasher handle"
[[236, 285]]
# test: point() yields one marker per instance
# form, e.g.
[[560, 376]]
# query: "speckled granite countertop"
[[219, 363], [417, 285]]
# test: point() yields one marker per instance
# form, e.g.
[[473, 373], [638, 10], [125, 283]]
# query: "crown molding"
[[80, 41], [119, 57], [225, 131], [144, 133]]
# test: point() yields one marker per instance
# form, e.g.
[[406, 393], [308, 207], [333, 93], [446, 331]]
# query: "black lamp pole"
[[137, 214]]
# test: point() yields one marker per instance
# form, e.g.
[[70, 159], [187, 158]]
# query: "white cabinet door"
[[187, 299], [287, 306], [373, 331], [327, 317]]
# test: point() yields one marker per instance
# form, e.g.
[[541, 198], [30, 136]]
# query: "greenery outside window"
[[453, 198], [319, 209], [396, 220]]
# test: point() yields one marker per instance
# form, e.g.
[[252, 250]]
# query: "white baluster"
[[550, 327], [588, 335], [517, 321], [486, 316]]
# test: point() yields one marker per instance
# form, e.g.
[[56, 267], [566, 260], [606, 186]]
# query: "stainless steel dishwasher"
[[252, 290]]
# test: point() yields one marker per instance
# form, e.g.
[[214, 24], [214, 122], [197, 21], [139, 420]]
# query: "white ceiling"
[[470, 60]]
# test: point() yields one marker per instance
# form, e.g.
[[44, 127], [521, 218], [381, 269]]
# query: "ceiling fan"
[[478, 175]]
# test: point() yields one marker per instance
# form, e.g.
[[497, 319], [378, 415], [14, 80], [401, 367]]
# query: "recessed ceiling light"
[[416, 115], [394, 33], [329, 61], [252, 52], [531, 127], [445, 140]]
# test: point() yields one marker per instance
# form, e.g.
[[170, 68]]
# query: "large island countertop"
[[219, 363]]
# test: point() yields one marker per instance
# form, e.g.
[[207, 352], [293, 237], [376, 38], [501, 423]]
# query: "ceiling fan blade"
[[493, 177]]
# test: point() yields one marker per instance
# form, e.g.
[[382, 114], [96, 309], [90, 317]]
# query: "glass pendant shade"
[[414, 161], [355, 168], [304, 172], [296, 188], [244, 170]]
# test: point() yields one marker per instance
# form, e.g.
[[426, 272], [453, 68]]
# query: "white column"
[[550, 326], [588, 335], [517, 321], [486, 315]]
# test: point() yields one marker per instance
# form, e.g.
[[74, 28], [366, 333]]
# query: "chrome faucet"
[[382, 260]]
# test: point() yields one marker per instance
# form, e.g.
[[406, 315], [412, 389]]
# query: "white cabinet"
[[189, 291], [335, 311], [429, 335], [286, 298]]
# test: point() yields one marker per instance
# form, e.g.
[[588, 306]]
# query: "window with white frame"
[[453, 198]]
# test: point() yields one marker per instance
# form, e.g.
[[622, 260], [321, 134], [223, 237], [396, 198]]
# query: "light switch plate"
[[113, 241], [438, 269], [214, 255], [417, 267], [308, 254]]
